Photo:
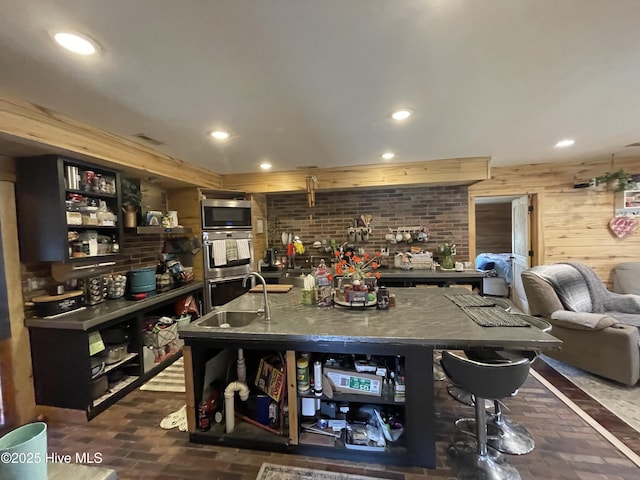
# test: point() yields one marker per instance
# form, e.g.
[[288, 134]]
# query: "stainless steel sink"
[[229, 319]]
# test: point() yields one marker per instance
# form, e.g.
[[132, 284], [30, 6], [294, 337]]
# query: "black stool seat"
[[497, 375]]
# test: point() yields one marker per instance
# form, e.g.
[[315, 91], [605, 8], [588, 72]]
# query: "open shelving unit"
[[409, 449]]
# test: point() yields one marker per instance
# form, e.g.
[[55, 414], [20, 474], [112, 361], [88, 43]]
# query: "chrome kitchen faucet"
[[267, 313]]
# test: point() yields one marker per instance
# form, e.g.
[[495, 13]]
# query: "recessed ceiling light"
[[401, 114], [567, 142], [265, 166], [220, 134], [76, 43], [388, 155]]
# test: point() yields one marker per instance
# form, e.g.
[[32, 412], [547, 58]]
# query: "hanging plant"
[[617, 181]]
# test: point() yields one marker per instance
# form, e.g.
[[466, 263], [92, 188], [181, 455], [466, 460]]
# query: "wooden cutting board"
[[272, 288]]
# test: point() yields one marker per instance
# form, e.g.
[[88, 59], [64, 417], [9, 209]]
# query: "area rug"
[[270, 471], [171, 379], [623, 402], [175, 419]]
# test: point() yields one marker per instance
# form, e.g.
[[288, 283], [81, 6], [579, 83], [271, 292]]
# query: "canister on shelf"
[[302, 374], [317, 378]]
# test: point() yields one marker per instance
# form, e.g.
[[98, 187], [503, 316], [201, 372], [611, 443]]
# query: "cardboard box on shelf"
[[270, 380], [345, 381]]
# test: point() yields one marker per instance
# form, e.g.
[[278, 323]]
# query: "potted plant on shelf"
[[131, 202]]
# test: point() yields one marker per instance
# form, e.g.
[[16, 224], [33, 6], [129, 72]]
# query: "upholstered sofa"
[[599, 329], [626, 278]]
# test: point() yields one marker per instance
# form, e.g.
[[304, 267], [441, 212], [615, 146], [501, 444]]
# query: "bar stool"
[[458, 393], [494, 379], [504, 434]]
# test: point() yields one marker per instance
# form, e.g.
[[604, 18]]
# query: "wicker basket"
[[162, 337]]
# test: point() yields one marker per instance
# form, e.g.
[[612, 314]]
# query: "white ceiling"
[[312, 82]]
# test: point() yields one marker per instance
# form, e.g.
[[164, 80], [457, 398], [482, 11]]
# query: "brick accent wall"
[[443, 210], [138, 251]]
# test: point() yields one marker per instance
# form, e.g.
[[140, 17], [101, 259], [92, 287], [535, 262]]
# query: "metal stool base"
[[510, 437], [505, 436], [468, 465]]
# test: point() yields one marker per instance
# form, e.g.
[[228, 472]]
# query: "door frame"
[[535, 225]]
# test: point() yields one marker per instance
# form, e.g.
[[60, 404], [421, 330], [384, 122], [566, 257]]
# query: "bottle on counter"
[[383, 298], [387, 390]]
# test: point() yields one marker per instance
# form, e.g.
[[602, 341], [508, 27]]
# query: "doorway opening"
[[503, 232]]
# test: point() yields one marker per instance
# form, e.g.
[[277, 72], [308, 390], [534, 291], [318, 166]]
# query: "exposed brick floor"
[[130, 441]]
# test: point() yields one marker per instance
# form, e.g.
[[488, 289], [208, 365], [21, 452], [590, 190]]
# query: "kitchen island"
[[423, 320]]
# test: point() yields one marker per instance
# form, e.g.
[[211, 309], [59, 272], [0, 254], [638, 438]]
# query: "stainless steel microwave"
[[220, 214]]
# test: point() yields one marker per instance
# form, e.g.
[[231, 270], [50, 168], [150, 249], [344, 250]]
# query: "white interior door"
[[521, 247]]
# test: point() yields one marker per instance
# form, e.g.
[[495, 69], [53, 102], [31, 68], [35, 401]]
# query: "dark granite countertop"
[[399, 274], [423, 316], [92, 317]]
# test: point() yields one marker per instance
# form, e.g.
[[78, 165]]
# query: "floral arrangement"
[[447, 249], [358, 267]]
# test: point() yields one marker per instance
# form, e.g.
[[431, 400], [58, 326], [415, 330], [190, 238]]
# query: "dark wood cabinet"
[[62, 360], [69, 211], [414, 447]]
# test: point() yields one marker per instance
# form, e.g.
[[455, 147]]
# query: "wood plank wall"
[[573, 222], [461, 171], [37, 126], [15, 354], [186, 201], [260, 240], [493, 228]]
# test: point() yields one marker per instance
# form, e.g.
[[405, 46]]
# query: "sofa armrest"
[[625, 278], [582, 320], [612, 352]]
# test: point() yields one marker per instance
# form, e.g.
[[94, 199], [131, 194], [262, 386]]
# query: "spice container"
[[392, 299], [302, 374]]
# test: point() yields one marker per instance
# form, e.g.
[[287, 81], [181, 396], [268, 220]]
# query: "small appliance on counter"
[[271, 261], [51, 305]]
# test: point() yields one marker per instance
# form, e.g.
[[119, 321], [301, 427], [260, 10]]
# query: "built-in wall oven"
[[228, 258]]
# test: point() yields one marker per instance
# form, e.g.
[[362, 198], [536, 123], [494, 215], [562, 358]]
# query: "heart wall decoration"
[[623, 226]]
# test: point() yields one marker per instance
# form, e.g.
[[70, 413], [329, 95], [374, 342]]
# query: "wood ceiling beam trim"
[[449, 171], [34, 123]]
